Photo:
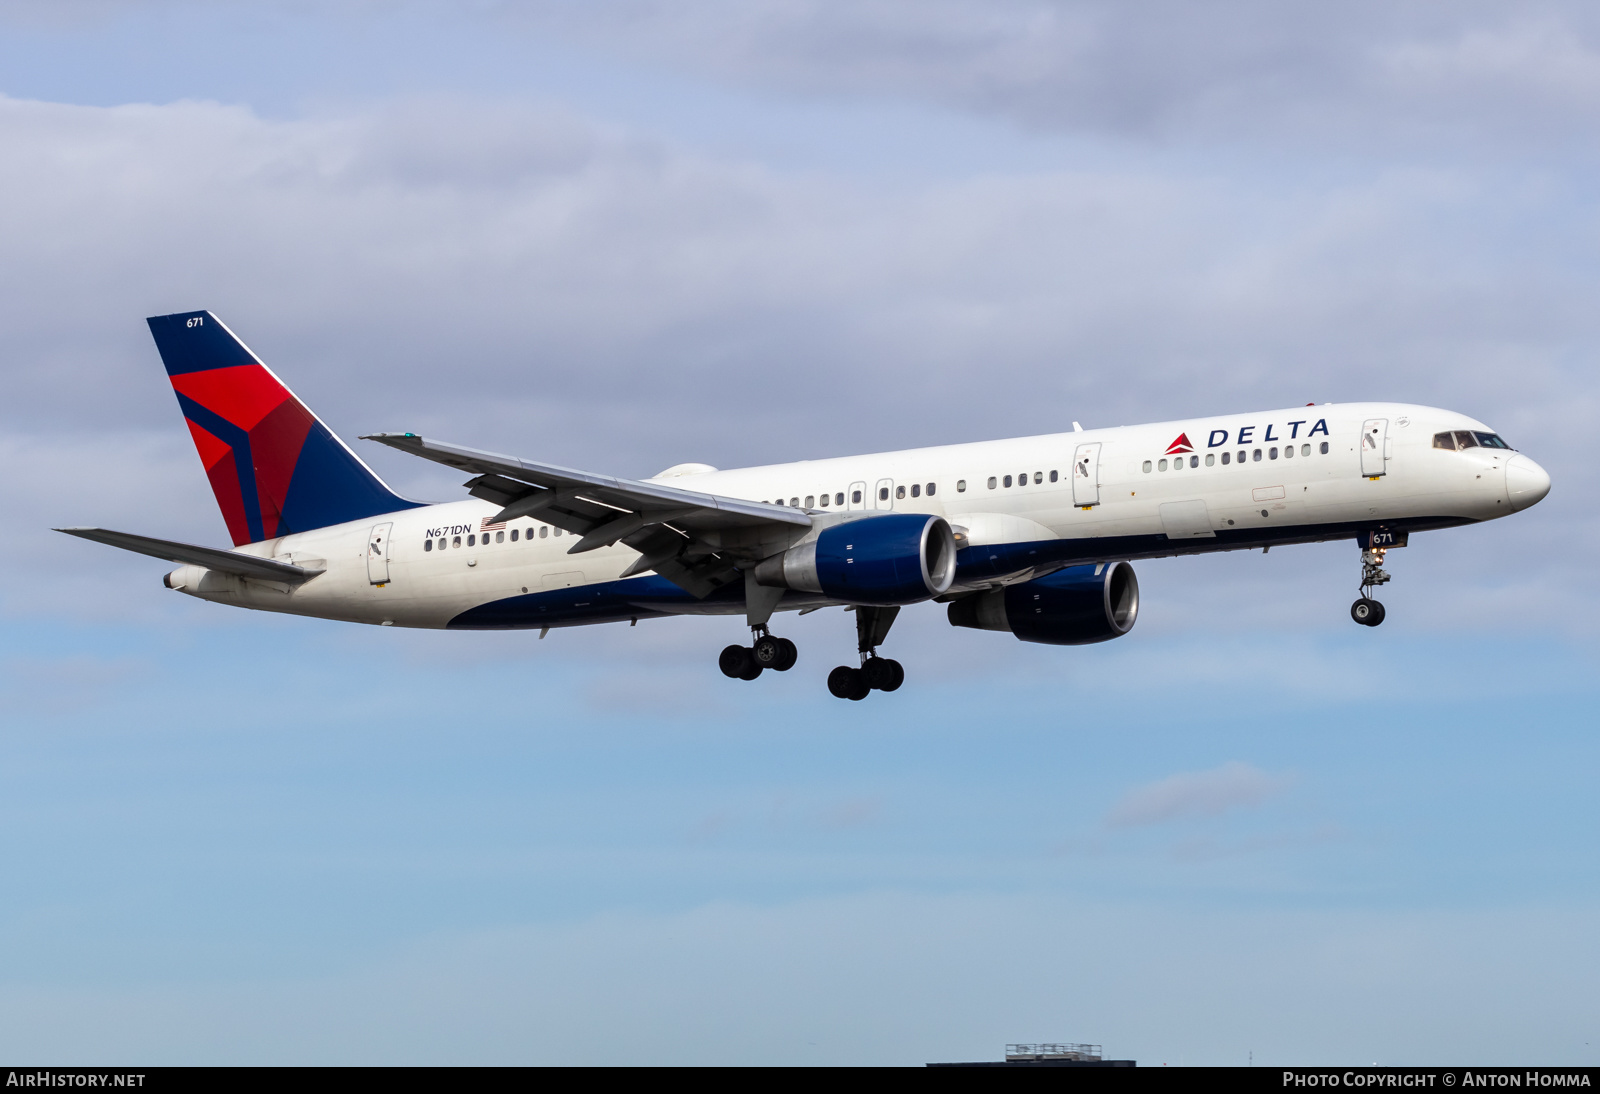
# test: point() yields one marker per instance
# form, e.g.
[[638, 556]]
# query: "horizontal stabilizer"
[[212, 558]]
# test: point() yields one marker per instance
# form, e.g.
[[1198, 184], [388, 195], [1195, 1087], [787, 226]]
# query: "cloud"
[[1366, 75], [1195, 795]]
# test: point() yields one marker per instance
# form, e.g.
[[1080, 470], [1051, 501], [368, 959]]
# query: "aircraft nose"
[[1526, 482]]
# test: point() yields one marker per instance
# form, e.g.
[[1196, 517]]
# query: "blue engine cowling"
[[1071, 607], [894, 558]]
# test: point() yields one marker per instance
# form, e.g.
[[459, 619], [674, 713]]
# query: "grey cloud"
[[1355, 73], [1195, 794]]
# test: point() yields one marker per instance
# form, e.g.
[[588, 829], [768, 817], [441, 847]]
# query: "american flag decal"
[[486, 526]]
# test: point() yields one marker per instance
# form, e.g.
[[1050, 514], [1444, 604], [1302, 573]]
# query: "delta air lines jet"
[[1033, 535]]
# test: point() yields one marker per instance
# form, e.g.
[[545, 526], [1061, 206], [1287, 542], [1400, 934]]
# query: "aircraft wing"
[[212, 558], [688, 537]]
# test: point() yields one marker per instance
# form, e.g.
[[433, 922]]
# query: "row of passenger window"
[[1229, 457], [837, 498], [472, 540], [1022, 480]]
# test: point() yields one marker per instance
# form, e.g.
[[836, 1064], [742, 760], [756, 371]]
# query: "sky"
[[623, 235]]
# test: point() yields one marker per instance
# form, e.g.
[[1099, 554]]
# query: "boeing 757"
[[1034, 536]]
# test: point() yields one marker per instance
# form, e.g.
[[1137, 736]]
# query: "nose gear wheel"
[[1367, 611]]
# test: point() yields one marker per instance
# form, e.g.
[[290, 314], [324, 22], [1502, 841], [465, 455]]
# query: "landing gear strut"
[[876, 673], [1366, 611]]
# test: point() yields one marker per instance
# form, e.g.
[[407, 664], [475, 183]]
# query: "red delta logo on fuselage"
[[1180, 445]]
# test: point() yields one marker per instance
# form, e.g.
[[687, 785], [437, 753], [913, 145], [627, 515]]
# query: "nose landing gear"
[[1366, 611], [876, 673]]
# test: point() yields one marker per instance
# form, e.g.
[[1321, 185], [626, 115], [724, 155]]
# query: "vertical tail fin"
[[274, 467]]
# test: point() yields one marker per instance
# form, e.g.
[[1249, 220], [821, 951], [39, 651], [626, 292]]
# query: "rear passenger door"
[[378, 554]]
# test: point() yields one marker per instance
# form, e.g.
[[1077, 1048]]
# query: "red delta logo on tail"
[[275, 469], [1180, 445]]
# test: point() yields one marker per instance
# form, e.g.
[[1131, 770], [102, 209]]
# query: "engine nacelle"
[[1071, 607], [884, 560]]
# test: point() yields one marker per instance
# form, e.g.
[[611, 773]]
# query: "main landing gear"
[[1366, 611], [876, 673], [764, 652]]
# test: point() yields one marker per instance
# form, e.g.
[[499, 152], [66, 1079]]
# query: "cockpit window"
[[1465, 439], [1444, 440], [1491, 440]]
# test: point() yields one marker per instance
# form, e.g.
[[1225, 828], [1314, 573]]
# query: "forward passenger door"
[[1374, 445]]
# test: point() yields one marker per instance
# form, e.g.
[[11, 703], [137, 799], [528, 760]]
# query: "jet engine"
[[1071, 607], [885, 560]]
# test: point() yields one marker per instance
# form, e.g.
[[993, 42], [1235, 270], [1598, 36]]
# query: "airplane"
[[1034, 536]]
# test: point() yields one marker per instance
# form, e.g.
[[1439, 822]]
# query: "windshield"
[[1464, 438]]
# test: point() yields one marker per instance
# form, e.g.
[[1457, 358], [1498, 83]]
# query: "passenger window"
[[544, 531], [961, 486], [1272, 453], [916, 490], [991, 482], [1162, 466], [1324, 448], [1305, 450], [427, 545], [1255, 455], [499, 537], [1225, 459], [1038, 477], [900, 492], [794, 503], [1288, 451], [1444, 440], [513, 535], [825, 501], [1008, 480], [855, 497], [1054, 476], [472, 540], [811, 501], [1147, 467], [838, 499], [558, 533], [931, 488], [1194, 461], [456, 541], [1465, 439], [883, 493], [1211, 459]]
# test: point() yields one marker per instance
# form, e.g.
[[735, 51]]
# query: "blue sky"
[[626, 235]]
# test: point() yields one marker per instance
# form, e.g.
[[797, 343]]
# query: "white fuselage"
[[1138, 500]]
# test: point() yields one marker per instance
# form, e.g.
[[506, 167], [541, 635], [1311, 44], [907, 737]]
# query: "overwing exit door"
[[378, 554], [883, 495], [1374, 444], [1086, 475]]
